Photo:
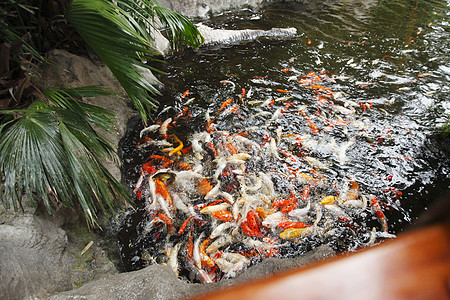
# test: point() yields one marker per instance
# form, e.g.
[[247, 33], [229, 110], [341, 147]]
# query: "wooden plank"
[[415, 265]]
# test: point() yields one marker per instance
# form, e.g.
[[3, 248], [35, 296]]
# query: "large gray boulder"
[[158, 282], [38, 258], [202, 8]]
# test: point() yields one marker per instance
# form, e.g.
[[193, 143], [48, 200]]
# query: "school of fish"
[[222, 199]]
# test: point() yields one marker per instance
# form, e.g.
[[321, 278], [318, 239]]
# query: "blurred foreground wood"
[[415, 265]]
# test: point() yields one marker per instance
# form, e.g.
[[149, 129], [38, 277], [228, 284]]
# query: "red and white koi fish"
[[164, 127], [377, 209]]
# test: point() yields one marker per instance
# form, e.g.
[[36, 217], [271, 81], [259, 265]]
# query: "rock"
[[202, 8], [158, 282], [33, 259], [38, 258], [270, 266], [153, 282], [215, 36], [72, 70]]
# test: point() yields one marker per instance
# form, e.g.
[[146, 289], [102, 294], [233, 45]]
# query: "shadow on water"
[[384, 74]]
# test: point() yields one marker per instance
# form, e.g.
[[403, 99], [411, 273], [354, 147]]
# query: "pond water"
[[334, 130]]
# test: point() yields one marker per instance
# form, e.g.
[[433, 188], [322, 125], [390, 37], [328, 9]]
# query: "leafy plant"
[[48, 147], [121, 37], [51, 150]]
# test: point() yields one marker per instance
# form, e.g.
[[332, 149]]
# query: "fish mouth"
[[165, 175]]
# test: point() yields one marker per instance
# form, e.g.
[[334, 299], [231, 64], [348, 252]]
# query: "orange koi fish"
[[312, 126], [184, 94], [242, 94], [248, 231], [166, 220], [209, 126], [148, 168], [205, 259], [320, 87], [264, 212], [285, 70], [232, 149], [224, 104], [284, 91], [204, 186], [190, 245], [223, 215], [289, 224], [162, 190], [183, 227], [253, 221]]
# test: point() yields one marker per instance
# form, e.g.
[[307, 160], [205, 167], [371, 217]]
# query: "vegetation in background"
[[48, 147]]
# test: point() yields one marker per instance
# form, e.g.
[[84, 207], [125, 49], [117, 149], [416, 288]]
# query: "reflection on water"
[[345, 109]]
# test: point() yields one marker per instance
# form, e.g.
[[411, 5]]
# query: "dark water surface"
[[378, 92]]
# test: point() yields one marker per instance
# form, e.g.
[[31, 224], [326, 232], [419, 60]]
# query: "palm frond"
[[52, 150], [121, 36], [179, 29], [66, 98], [32, 159], [109, 32], [89, 176]]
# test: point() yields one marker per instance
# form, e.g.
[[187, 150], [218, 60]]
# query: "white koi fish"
[[300, 213], [173, 258], [196, 256], [213, 208], [164, 127], [149, 129], [220, 229]]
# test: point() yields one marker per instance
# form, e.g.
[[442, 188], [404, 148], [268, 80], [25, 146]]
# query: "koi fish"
[[184, 225], [164, 127], [224, 104], [205, 259], [178, 148], [328, 200], [196, 251], [274, 219], [220, 229], [228, 82], [242, 94], [184, 94], [149, 129], [284, 91], [377, 209], [221, 241], [173, 258], [289, 224], [223, 215], [293, 234], [208, 210], [247, 230], [299, 213], [312, 126]]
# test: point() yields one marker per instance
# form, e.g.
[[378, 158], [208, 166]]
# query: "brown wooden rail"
[[415, 265]]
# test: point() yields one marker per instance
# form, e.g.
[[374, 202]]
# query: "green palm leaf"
[[120, 36], [67, 98], [53, 150], [114, 38]]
